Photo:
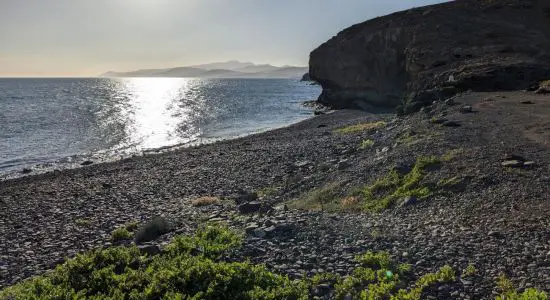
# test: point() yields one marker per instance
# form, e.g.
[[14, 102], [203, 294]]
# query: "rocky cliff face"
[[410, 58]]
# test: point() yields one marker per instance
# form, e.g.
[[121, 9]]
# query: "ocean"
[[47, 122]]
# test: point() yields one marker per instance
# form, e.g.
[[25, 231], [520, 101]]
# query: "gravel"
[[497, 218]]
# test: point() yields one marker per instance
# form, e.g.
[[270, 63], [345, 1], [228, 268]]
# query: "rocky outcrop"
[[305, 77], [411, 58]]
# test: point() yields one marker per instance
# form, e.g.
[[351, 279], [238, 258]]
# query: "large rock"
[[414, 57]]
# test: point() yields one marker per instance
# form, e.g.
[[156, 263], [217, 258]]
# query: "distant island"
[[230, 69]]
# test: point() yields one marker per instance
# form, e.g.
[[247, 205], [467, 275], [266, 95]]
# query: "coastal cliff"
[[411, 58]]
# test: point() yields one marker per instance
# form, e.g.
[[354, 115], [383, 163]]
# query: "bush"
[[132, 226], [121, 234], [152, 230], [384, 193], [122, 273], [509, 293]]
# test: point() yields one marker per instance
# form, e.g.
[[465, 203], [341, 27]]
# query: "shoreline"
[[479, 212], [100, 158]]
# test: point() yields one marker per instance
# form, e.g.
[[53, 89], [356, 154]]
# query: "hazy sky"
[[88, 37]]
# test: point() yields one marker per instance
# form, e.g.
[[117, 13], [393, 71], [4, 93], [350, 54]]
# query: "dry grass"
[[361, 127], [205, 201], [350, 202], [322, 198], [545, 84]]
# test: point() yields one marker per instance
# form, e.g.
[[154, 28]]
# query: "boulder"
[[250, 207], [245, 196], [411, 58]]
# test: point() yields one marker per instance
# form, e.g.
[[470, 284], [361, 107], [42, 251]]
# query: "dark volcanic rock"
[[250, 207], [431, 53]]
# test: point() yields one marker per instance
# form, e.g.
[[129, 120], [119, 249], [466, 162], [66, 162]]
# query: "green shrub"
[[386, 191], [209, 241], [121, 234], [378, 277], [509, 293], [181, 272], [122, 273], [469, 271], [528, 294], [132, 226]]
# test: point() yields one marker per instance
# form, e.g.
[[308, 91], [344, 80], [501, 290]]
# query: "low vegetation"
[[121, 234], [386, 191], [132, 226], [469, 271], [82, 222], [205, 201], [545, 84], [509, 293], [323, 198], [191, 267], [382, 194], [361, 127], [267, 191], [366, 144]]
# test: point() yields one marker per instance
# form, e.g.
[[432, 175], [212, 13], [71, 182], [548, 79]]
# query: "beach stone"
[[495, 234], [302, 164], [466, 109], [322, 290], [26, 171], [451, 124], [543, 90], [528, 164], [259, 233], [514, 157], [512, 163], [439, 120], [246, 197], [270, 231], [343, 164], [251, 227], [86, 163], [450, 101], [250, 207], [409, 200]]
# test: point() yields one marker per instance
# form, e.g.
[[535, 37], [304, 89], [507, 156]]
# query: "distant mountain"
[[257, 68], [230, 69], [228, 65]]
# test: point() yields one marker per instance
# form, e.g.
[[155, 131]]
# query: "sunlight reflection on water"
[[154, 114], [63, 120]]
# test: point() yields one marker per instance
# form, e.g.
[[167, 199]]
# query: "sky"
[[89, 37]]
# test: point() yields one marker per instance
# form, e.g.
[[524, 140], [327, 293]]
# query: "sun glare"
[[151, 99]]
